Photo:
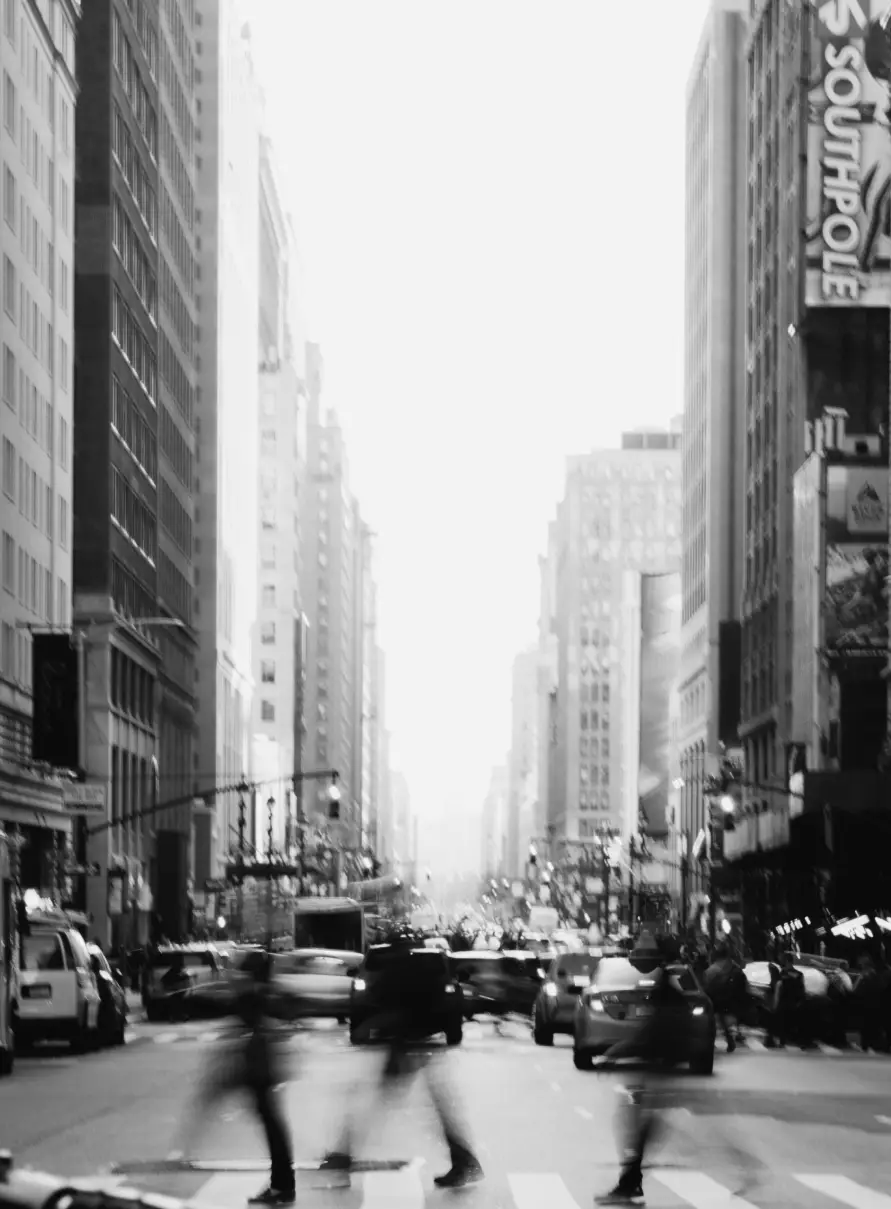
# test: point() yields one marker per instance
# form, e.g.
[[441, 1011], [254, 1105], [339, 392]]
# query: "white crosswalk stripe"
[[846, 1191], [665, 1188]]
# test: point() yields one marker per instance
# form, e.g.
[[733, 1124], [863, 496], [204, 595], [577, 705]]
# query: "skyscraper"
[[714, 405], [227, 416], [522, 760], [116, 395], [620, 511], [37, 139]]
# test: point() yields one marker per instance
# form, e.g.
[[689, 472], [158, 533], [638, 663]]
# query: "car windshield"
[[618, 974], [574, 964]]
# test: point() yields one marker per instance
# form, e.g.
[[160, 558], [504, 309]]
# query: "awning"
[[31, 800]]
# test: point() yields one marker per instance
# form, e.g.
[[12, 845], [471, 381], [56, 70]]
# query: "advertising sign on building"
[[856, 602], [856, 503], [807, 558], [848, 256]]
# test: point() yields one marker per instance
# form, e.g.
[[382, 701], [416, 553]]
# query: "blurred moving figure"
[[725, 984], [404, 1007], [658, 1046], [250, 1064]]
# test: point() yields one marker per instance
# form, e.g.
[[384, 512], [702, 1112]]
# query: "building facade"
[[548, 650], [279, 634], [714, 407], [227, 418], [37, 384], [493, 832], [177, 382], [522, 761], [621, 511], [116, 394]]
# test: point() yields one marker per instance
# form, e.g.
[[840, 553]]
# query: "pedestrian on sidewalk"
[[249, 1065]]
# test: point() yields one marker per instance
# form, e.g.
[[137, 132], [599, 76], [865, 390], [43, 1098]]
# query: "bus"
[[329, 923]]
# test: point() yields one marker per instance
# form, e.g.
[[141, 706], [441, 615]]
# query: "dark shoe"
[[274, 1196], [731, 1046], [621, 1196], [336, 1161], [460, 1176]]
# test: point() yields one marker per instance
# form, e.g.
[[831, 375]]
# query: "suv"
[[429, 971], [58, 999]]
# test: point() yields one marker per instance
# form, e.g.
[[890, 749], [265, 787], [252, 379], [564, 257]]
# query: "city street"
[[770, 1129]]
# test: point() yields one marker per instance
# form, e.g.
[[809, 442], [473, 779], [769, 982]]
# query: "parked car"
[[315, 982], [432, 970], [112, 1023], [620, 996], [59, 997], [554, 1011]]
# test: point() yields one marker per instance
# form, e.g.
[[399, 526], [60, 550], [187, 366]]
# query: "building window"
[[267, 633], [9, 287], [267, 711], [9, 563], [269, 596], [8, 468], [267, 671]]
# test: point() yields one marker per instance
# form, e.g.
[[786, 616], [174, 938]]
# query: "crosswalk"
[[671, 1188]]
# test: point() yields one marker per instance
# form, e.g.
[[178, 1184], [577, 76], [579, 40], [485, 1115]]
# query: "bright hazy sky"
[[488, 197]]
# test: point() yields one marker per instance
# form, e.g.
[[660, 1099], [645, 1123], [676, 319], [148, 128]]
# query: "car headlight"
[[699, 1011], [550, 989], [358, 984], [450, 990], [595, 1005]]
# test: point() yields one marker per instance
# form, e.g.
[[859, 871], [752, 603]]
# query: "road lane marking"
[[883, 1120], [840, 1188], [701, 1191], [534, 1191], [166, 1038], [536, 1066], [394, 1189], [555, 1086], [583, 1112]]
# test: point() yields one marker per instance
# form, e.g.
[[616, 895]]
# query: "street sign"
[[215, 885], [78, 798]]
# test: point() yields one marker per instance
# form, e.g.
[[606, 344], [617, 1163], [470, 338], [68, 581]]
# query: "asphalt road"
[[774, 1129]]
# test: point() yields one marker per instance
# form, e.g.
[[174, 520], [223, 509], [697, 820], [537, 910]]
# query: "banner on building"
[[856, 504], [660, 646], [55, 733], [856, 602], [807, 576], [848, 234]]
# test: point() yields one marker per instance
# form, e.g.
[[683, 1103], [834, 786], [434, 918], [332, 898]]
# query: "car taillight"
[[358, 984], [594, 1001], [550, 989]]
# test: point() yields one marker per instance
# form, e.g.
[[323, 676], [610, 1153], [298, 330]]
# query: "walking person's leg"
[[465, 1166], [281, 1158]]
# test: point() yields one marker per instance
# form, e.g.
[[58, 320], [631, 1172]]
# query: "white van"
[[58, 996]]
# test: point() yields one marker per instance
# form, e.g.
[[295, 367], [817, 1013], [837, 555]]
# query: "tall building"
[[547, 680], [177, 381], [37, 141], [621, 511], [522, 760], [227, 417], [403, 828], [279, 634], [332, 542], [116, 395], [493, 833], [714, 407], [370, 698]]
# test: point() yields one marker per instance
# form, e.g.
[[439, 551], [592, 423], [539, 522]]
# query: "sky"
[[488, 199]]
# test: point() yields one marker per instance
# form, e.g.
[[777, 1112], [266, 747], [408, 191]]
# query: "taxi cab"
[[554, 1011]]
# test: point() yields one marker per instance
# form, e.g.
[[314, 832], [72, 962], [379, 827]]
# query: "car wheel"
[[454, 1034], [79, 1039], [703, 1064], [120, 1037], [582, 1060], [355, 1032], [542, 1035], [153, 1013]]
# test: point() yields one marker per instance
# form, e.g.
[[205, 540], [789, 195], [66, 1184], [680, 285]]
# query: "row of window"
[[173, 588], [175, 447], [133, 170], [591, 718], [35, 411], [589, 800], [594, 774], [176, 14], [132, 342], [126, 64], [15, 647], [175, 378], [179, 103], [131, 597], [177, 241], [134, 258], [36, 330], [38, 163], [34, 497], [594, 692], [36, 246], [175, 306], [176, 168], [594, 747], [133, 517], [175, 519], [132, 688], [26, 579], [146, 32], [136, 434]]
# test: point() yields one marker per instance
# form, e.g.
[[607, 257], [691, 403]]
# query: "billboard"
[[848, 220], [856, 599], [54, 737], [660, 650], [856, 503]]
